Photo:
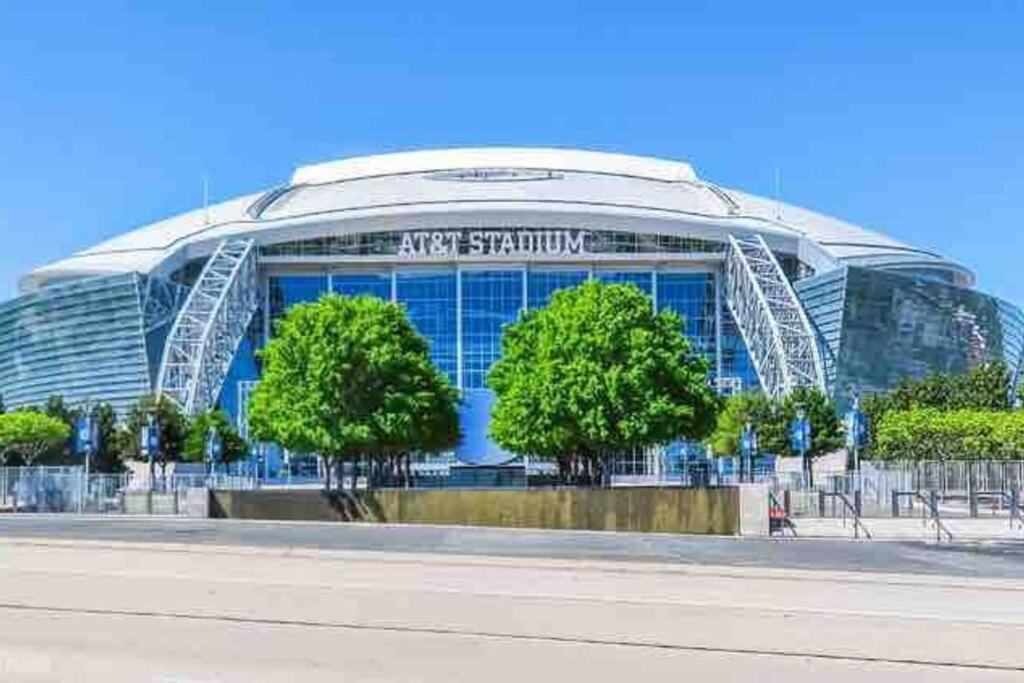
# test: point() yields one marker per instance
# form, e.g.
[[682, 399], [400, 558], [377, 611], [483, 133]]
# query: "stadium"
[[774, 295]]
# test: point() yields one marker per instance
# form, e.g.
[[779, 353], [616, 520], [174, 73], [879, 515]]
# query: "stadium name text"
[[454, 243]]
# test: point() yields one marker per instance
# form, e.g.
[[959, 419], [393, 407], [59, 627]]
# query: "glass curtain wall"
[[541, 284], [362, 284], [430, 299]]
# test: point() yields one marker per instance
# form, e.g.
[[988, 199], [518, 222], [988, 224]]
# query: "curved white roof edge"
[[532, 158], [394, 187]]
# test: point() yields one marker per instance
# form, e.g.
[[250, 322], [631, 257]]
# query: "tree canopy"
[[348, 377], [985, 387], [598, 372], [772, 418], [29, 434], [233, 446], [931, 434], [173, 426]]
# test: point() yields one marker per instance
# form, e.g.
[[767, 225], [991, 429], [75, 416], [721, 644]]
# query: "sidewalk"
[[912, 528]]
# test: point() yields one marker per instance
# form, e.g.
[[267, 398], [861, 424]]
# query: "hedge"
[[930, 434]]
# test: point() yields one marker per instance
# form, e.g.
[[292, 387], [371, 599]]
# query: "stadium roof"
[[492, 186]]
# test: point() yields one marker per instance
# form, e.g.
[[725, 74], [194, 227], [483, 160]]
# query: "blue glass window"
[[490, 300], [360, 284], [429, 299], [736, 361], [541, 284], [640, 278], [289, 290], [692, 295]]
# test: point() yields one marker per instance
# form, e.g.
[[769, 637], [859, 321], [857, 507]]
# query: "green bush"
[[931, 434]]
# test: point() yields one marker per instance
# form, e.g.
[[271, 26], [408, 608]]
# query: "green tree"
[[595, 373], [349, 378], [932, 434], [173, 426], [772, 419], [29, 434], [984, 387], [233, 446], [108, 454], [763, 413], [61, 453], [826, 428]]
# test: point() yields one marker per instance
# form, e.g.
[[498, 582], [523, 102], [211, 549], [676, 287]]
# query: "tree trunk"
[[327, 473]]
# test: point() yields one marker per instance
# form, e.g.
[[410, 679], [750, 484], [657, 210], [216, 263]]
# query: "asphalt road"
[[88, 610], [989, 559]]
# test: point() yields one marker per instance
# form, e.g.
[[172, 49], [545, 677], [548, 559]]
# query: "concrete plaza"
[[176, 600]]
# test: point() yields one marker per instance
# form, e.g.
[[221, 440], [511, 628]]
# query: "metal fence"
[[68, 489]]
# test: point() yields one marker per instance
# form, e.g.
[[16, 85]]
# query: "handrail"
[[940, 528], [857, 523]]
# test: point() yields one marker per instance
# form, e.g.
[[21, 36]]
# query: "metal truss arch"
[[771, 320], [210, 326]]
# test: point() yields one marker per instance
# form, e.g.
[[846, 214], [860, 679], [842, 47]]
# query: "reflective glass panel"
[[288, 290], [692, 295], [490, 299], [360, 284], [541, 284], [429, 299]]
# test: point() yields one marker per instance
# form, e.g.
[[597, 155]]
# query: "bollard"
[[821, 503], [857, 502], [933, 496], [895, 504], [787, 503]]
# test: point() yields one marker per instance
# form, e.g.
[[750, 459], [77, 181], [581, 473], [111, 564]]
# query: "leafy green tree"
[[754, 407], [772, 419], [173, 426], [61, 453], [350, 378], [108, 454], [29, 434], [595, 373], [233, 446], [826, 428], [984, 387], [933, 434]]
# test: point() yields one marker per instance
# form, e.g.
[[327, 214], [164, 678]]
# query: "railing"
[[853, 508], [931, 504]]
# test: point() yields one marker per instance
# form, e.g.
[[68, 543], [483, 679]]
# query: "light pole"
[[149, 444], [800, 440], [86, 442], [856, 429], [214, 445], [748, 450]]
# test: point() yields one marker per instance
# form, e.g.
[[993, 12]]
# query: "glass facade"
[[541, 284], [430, 299], [462, 312], [288, 290], [85, 340], [490, 300], [362, 284], [893, 326], [692, 295]]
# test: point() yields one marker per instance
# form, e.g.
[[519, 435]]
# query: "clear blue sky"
[[908, 121]]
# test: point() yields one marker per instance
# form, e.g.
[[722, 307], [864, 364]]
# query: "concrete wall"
[[668, 510]]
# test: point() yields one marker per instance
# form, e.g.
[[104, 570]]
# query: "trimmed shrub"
[[930, 434]]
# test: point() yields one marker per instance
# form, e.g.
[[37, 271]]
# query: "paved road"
[[992, 559], [113, 610]]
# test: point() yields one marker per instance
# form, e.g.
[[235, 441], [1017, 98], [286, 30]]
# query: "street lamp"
[[748, 450]]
